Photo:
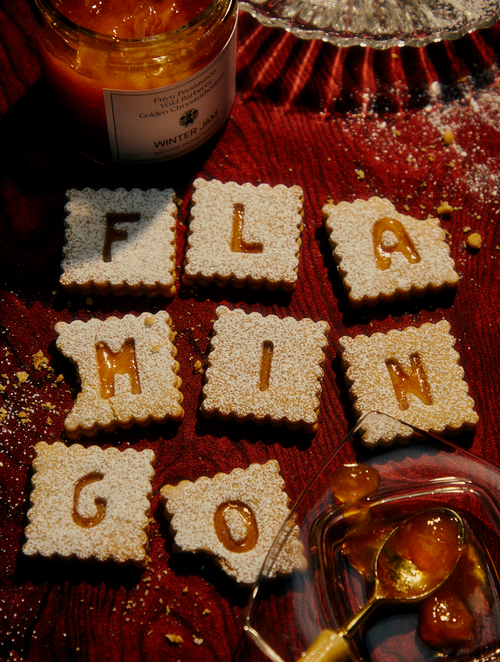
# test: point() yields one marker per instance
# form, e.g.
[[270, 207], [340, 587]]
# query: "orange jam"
[[236, 526], [389, 236], [445, 622], [129, 19], [265, 368], [237, 243], [117, 363], [100, 504], [138, 81], [415, 383], [430, 540], [352, 482]]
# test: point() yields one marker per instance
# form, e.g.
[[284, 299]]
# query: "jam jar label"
[[148, 126]]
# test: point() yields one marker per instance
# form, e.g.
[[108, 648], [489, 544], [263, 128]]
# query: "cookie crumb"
[[444, 208], [40, 361], [474, 241], [174, 638], [22, 376], [448, 137]]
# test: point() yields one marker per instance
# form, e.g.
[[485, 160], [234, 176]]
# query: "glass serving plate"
[[376, 23], [285, 616]]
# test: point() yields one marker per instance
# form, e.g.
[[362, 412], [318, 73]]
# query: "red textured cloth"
[[342, 124]]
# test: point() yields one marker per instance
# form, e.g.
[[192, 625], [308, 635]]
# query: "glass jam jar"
[[140, 99]]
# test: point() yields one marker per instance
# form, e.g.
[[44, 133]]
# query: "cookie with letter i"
[[265, 369], [89, 503], [383, 255], [127, 369], [412, 375], [120, 242], [244, 235], [235, 517]]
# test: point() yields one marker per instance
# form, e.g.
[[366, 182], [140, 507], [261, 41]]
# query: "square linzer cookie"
[[120, 242], [235, 517], [90, 503], [244, 235], [265, 369], [412, 375], [382, 255], [127, 369]]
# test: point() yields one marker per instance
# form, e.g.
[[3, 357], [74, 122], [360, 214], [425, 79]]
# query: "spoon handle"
[[329, 646], [360, 617]]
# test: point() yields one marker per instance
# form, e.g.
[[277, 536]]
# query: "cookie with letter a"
[[383, 255]]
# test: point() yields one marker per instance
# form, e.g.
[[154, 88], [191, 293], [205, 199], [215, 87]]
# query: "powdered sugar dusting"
[[191, 508], [371, 389], [123, 484], [142, 259], [351, 235], [235, 362], [159, 398], [272, 220]]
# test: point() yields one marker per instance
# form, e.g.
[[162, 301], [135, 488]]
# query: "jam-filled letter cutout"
[[100, 504], [112, 234], [415, 382], [119, 363], [237, 243], [236, 526], [265, 366], [389, 236]]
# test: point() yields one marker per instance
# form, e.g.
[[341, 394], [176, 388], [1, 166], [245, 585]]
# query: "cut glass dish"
[[285, 617], [376, 23]]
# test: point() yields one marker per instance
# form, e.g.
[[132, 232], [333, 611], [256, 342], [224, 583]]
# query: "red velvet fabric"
[[306, 113]]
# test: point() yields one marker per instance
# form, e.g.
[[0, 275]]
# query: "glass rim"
[[56, 15]]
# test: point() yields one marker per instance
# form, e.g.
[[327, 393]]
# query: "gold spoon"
[[397, 579]]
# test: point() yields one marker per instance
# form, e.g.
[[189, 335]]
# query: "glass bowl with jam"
[[395, 507]]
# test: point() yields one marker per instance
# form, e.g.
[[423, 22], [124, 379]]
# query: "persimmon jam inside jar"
[[140, 82]]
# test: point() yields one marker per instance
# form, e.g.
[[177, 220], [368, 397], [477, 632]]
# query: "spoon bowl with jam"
[[415, 559]]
